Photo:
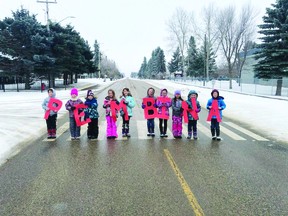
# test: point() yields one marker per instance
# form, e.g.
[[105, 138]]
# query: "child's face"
[[150, 92], [73, 95], [110, 94], [90, 97], [193, 96], [50, 93], [164, 93], [177, 96], [215, 94], [125, 92]]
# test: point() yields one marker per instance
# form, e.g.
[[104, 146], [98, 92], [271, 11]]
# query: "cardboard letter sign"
[[56, 108], [214, 111]]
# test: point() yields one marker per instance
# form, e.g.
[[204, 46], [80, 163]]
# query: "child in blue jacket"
[[92, 113], [215, 125]]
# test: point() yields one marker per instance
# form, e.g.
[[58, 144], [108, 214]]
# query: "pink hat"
[[74, 91]]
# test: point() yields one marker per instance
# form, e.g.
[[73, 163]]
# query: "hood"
[[192, 92], [164, 89], [54, 92]]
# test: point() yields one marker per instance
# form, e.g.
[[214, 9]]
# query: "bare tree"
[[206, 30], [234, 32], [180, 31]]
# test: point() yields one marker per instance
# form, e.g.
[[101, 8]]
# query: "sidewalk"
[[22, 115]]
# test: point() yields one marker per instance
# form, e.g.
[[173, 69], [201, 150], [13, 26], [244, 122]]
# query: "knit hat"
[[177, 92], [214, 90], [90, 93], [74, 91]]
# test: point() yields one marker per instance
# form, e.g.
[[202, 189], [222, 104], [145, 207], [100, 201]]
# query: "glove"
[[143, 106], [197, 110], [73, 108], [155, 105]]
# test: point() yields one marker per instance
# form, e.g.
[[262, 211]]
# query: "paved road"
[[244, 174]]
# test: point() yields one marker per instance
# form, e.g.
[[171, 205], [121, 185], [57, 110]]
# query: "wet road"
[[244, 174]]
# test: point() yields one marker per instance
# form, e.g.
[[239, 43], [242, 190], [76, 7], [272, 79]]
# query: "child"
[[111, 131], [130, 103], [177, 113], [159, 104], [70, 106], [192, 123], [150, 122], [52, 118], [92, 113], [215, 126]]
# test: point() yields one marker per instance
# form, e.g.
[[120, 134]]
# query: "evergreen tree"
[[273, 52], [143, 69], [173, 65], [191, 58]]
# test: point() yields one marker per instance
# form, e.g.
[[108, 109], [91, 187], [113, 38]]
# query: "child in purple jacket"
[[71, 106], [159, 104]]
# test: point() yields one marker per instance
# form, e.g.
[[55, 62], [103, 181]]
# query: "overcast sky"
[[127, 30]]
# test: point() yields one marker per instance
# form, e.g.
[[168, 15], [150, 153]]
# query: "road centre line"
[[191, 198]]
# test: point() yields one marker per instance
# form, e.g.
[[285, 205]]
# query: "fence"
[[253, 86]]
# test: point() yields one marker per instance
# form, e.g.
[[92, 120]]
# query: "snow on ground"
[[262, 114], [22, 116]]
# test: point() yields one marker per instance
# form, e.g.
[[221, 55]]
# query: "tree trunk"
[[230, 74], [27, 81], [279, 86]]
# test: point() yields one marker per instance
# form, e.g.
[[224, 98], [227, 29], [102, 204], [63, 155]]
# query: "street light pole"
[[99, 64]]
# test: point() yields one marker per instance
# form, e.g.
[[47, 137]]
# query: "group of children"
[[126, 98]]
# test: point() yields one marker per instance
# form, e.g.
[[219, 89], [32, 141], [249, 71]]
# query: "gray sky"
[[127, 30]]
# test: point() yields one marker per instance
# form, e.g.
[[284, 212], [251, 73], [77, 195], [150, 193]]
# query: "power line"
[[47, 10]]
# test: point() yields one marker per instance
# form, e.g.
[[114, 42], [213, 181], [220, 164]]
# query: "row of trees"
[[230, 33], [31, 51], [155, 67]]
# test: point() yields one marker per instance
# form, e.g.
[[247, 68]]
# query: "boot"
[[189, 135], [195, 137], [127, 132], [123, 131], [53, 133], [218, 134], [213, 133], [49, 134]]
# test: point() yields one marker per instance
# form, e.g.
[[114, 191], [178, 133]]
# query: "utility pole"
[[47, 10]]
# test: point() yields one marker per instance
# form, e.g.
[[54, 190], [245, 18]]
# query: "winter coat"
[[130, 103], [106, 105], [159, 104], [177, 109], [91, 110], [221, 104], [70, 105], [46, 102], [190, 106]]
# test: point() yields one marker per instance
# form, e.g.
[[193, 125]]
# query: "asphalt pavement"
[[244, 174]]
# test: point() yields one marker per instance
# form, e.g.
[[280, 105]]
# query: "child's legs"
[[190, 123], [53, 121], [194, 126], [179, 126], [174, 126], [114, 128], [161, 126], [77, 131], [72, 127], [214, 126], [95, 127], [165, 126], [90, 128], [109, 126]]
